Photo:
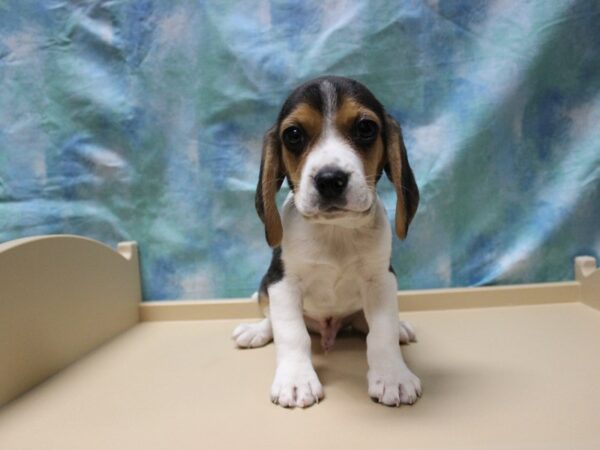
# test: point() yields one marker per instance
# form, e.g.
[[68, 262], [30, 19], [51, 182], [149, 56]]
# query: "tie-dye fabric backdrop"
[[143, 120]]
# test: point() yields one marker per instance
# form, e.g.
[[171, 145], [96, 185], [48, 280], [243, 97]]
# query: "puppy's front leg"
[[390, 381], [296, 382]]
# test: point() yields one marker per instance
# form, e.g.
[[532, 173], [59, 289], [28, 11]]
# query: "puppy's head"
[[332, 140]]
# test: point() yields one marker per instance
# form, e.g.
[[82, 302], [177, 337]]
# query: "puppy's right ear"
[[270, 179]]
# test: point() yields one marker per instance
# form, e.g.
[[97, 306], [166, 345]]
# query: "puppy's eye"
[[366, 131], [293, 138]]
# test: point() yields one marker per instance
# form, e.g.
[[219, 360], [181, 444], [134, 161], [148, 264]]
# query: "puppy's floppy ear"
[[399, 172], [270, 179]]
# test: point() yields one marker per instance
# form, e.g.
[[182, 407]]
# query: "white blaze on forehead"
[[329, 101]]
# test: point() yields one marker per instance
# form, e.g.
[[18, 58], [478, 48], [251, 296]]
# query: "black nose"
[[331, 183]]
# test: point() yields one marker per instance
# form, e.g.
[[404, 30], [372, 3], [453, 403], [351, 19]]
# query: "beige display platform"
[[522, 374]]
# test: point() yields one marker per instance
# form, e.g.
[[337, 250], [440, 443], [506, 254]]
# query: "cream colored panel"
[[421, 300], [60, 296], [589, 277]]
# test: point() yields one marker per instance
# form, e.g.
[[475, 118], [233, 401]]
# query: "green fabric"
[[143, 120]]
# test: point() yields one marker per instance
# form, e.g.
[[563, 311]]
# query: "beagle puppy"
[[330, 267]]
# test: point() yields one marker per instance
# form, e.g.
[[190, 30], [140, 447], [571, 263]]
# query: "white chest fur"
[[331, 264]]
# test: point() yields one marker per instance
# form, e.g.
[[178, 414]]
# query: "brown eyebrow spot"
[[347, 113], [311, 121], [374, 159], [306, 117]]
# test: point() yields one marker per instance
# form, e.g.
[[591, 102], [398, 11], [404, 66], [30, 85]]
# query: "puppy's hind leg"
[[407, 332], [257, 334], [251, 335]]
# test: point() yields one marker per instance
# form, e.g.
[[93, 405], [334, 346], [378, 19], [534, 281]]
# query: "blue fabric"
[[143, 120]]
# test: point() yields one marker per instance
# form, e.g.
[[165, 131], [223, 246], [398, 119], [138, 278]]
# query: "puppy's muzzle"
[[331, 184]]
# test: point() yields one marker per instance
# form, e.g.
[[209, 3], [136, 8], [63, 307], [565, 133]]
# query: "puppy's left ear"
[[400, 174]]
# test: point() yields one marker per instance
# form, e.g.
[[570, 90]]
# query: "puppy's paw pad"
[[395, 388], [251, 335], [407, 332]]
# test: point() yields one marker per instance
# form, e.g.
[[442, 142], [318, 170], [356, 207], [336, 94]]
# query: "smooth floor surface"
[[512, 378]]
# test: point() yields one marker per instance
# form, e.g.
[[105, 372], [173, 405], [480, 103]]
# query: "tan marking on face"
[[373, 158], [311, 121]]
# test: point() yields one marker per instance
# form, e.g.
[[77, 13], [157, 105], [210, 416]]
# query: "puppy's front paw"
[[296, 385], [394, 387]]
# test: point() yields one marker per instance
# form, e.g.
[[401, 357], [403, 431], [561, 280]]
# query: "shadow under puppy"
[[332, 245]]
